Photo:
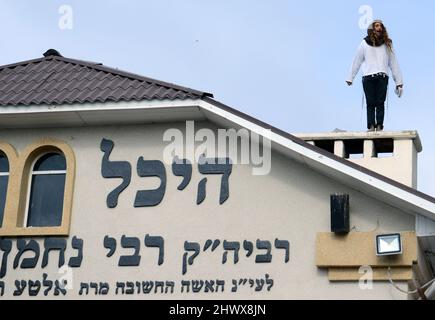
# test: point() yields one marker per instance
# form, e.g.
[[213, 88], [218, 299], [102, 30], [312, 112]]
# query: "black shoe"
[[379, 127], [371, 129]]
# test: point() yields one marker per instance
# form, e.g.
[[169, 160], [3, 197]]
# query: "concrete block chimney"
[[392, 154]]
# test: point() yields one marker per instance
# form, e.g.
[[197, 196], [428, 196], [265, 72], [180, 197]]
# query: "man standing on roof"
[[376, 54]]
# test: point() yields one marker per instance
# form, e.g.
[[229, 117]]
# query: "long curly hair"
[[384, 37]]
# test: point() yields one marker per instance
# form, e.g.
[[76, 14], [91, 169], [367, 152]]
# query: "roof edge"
[[320, 151], [131, 75]]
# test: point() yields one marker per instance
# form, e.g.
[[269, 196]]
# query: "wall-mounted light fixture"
[[388, 244]]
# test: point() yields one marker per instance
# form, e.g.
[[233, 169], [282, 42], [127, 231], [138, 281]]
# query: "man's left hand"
[[399, 90]]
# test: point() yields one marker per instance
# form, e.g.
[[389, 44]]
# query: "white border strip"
[[111, 106], [423, 206], [427, 207]]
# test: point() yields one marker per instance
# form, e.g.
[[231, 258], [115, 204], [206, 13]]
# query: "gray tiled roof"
[[57, 80]]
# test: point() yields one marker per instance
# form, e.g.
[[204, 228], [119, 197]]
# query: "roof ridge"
[[132, 76], [23, 63], [21, 83]]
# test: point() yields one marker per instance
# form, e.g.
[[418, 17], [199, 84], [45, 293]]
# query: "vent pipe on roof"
[[52, 52]]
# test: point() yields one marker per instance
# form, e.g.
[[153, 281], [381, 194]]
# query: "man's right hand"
[[349, 83]]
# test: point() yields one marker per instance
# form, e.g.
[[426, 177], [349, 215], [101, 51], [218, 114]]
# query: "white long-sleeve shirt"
[[375, 60]]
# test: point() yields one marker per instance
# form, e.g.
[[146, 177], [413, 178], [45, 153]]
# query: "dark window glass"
[[50, 161], [46, 200], [3, 189], [4, 163], [47, 191]]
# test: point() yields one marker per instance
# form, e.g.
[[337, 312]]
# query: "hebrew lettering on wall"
[[129, 251], [146, 168]]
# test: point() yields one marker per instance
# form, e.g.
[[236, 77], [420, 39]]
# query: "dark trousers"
[[375, 89]]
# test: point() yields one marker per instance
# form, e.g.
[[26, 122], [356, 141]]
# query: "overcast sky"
[[283, 62]]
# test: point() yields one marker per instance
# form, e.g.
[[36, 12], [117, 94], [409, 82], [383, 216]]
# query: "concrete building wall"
[[400, 164], [291, 203]]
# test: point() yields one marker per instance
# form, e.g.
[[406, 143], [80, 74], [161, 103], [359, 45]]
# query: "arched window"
[[4, 177], [47, 187]]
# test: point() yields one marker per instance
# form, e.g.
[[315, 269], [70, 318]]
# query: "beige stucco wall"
[[401, 166], [291, 203]]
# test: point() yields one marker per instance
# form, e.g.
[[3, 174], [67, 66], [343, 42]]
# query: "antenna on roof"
[[52, 52]]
